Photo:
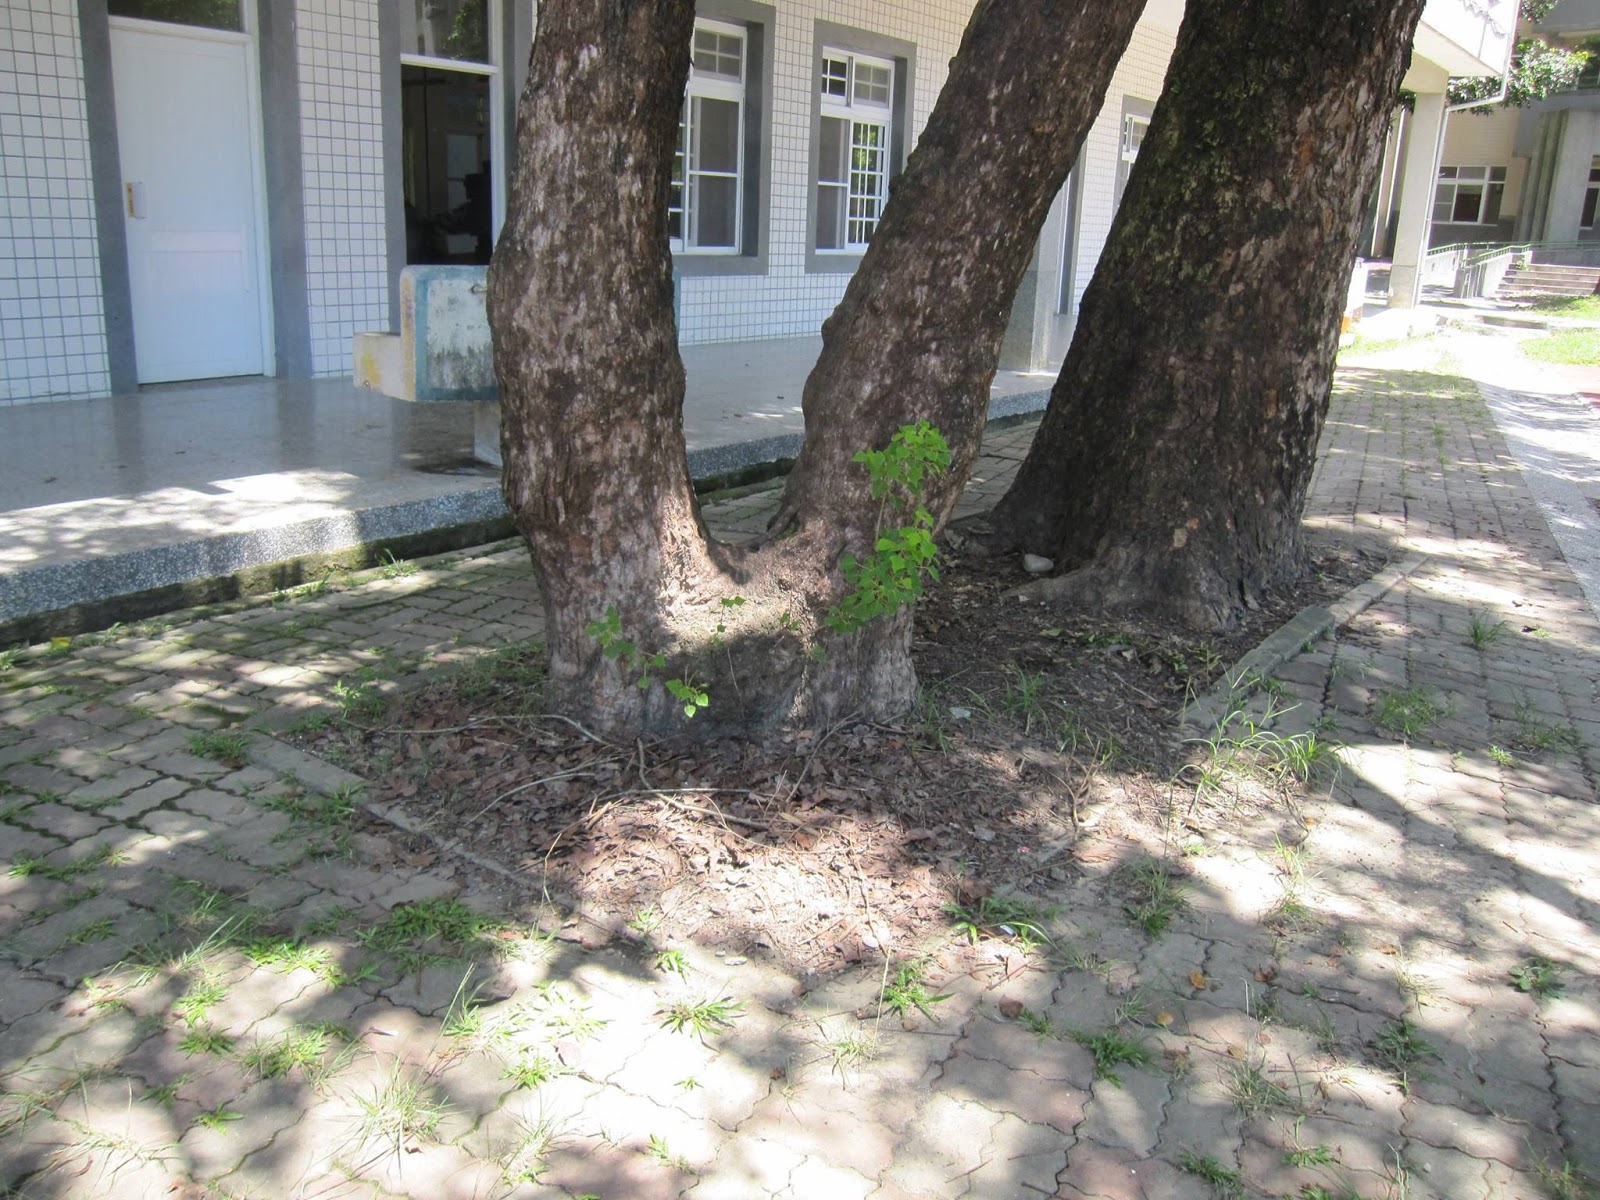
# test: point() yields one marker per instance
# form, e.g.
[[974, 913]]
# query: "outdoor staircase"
[[1548, 279]]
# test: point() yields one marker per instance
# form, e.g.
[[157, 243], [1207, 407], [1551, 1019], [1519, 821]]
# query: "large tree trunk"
[[1170, 472], [592, 387]]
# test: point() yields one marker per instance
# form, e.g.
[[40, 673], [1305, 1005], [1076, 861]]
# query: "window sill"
[[833, 262], [692, 264]]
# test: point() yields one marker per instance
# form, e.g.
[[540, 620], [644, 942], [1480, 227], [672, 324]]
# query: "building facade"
[[211, 188]]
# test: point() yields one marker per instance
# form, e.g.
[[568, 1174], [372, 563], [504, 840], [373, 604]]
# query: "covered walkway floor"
[[158, 491]]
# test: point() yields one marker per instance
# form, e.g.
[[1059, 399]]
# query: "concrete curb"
[[1289, 639]]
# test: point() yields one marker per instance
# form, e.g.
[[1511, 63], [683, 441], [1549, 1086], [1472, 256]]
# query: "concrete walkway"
[[1386, 989], [218, 483]]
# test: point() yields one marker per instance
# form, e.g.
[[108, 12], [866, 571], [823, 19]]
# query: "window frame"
[[501, 117], [856, 114], [1485, 178], [858, 47], [1135, 111], [1591, 198], [705, 86], [757, 22]]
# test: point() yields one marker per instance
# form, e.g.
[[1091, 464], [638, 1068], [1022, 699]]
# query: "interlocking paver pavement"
[[206, 983]]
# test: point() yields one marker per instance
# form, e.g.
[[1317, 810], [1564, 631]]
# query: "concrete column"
[[1419, 179], [1571, 176]]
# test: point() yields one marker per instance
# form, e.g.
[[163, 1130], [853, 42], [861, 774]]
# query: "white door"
[[190, 185]]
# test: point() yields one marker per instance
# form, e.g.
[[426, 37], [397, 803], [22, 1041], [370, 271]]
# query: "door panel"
[[187, 147]]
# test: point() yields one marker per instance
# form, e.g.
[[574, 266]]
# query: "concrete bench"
[[442, 352]]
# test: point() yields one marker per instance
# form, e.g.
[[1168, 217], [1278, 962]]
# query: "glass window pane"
[[456, 29], [873, 84], [831, 150], [716, 127], [835, 73], [213, 14], [1469, 200], [1133, 137], [1591, 200], [830, 217], [717, 53], [445, 168], [1447, 172], [716, 217]]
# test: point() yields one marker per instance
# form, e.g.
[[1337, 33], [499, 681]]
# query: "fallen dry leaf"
[[1197, 980]]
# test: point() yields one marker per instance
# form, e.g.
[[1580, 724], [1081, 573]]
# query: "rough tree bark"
[[1170, 472], [592, 387]]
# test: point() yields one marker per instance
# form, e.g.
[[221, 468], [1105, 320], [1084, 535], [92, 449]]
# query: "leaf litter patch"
[[1044, 746]]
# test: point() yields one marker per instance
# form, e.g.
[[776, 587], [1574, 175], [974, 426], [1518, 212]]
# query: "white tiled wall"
[[341, 131], [52, 332], [52, 318]]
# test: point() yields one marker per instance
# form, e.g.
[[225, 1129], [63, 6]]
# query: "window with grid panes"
[[1134, 127], [853, 148], [1469, 195], [704, 210]]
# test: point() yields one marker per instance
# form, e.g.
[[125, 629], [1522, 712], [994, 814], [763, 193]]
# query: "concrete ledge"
[[95, 592], [1309, 625]]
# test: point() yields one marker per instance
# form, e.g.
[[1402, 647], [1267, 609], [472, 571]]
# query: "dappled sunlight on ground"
[[218, 977]]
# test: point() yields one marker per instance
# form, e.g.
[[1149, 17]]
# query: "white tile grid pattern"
[[341, 130], [788, 301], [52, 317]]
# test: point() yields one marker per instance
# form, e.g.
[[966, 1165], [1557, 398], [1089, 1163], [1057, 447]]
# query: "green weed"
[[529, 1071], [403, 1108], [1409, 712], [1002, 917], [1252, 1092], [701, 1017], [1569, 1183], [1157, 897], [396, 568], [672, 961], [1112, 1049], [226, 746], [205, 1041], [1538, 976], [1227, 1182], [1482, 632], [1535, 733], [1399, 1049], [907, 990], [218, 1118]]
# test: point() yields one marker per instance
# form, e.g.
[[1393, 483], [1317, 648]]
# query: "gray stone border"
[[1309, 625]]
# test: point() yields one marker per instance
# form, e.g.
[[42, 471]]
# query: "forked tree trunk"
[[591, 383], [1171, 468]]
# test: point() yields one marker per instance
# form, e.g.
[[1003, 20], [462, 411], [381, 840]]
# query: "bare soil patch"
[[1041, 740]]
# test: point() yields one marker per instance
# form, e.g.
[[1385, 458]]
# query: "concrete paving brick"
[[1129, 1116]]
